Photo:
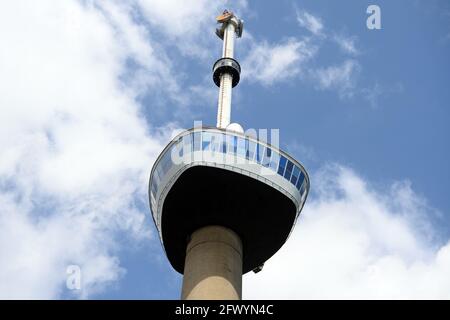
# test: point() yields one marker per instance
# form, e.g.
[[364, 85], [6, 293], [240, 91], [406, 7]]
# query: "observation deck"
[[212, 176]]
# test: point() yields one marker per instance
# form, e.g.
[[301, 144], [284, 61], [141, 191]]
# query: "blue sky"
[[91, 92]]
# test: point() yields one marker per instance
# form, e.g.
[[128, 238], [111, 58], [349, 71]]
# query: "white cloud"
[[180, 20], [302, 151], [270, 63], [312, 23], [352, 242], [373, 93], [339, 77], [347, 44], [76, 154]]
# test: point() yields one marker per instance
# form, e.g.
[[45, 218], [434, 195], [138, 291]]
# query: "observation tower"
[[224, 201]]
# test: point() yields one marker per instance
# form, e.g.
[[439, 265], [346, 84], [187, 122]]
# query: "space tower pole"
[[227, 69], [213, 263]]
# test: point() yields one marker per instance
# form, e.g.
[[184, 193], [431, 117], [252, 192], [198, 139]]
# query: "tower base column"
[[213, 266]]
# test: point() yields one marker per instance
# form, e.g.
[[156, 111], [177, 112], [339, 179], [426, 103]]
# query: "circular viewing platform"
[[209, 176]]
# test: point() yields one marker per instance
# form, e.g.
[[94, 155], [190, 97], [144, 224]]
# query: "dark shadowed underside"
[[261, 215]]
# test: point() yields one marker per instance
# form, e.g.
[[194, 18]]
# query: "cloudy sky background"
[[91, 91]]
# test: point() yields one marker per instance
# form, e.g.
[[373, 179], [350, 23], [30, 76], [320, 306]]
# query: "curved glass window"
[[260, 153], [282, 165], [300, 181], [241, 147], [166, 162], [157, 175], [288, 172], [153, 188], [251, 150], [295, 174], [256, 159], [216, 142], [267, 155], [232, 144], [187, 144], [303, 188], [197, 141], [221, 143], [274, 160], [206, 140], [177, 151]]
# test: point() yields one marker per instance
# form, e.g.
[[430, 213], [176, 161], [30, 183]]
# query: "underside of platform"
[[261, 215]]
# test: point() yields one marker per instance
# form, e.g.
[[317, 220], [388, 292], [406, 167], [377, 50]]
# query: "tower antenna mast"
[[226, 70]]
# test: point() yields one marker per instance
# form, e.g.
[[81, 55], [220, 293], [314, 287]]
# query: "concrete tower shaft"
[[213, 267]]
